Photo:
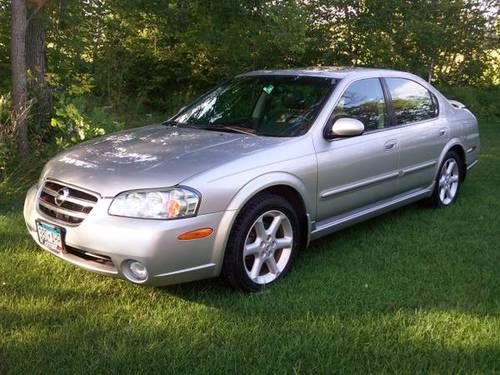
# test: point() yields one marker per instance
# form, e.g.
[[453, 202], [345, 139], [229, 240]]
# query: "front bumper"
[[151, 242]]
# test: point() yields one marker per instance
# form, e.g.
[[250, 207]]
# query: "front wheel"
[[448, 180], [262, 244]]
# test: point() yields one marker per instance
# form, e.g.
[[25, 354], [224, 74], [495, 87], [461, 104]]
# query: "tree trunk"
[[37, 66], [18, 68], [430, 70]]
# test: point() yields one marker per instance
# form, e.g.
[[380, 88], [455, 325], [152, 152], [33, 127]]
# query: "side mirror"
[[345, 127]]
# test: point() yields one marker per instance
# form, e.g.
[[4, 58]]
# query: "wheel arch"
[[283, 184], [457, 146], [297, 202]]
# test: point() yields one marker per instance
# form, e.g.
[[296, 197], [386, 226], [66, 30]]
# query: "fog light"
[[135, 271]]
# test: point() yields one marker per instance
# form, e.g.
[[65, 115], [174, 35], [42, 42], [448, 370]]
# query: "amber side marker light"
[[195, 234]]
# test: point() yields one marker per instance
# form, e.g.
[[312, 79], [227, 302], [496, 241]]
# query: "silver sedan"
[[253, 170]]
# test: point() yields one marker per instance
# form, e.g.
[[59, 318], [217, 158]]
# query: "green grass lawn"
[[416, 290]]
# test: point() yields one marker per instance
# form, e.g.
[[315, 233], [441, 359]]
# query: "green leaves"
[[110, 56], [75, 122], [150, 50]]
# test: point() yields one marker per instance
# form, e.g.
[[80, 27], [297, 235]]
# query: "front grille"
[[65, 203]]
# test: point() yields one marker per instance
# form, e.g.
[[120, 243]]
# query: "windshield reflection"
[[282, 106]]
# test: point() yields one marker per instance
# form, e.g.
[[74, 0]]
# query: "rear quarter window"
[[411, 101]]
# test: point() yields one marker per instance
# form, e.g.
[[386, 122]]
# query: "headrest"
[[293, 100]]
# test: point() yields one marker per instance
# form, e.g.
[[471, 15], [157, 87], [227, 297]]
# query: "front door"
[[357, 171]]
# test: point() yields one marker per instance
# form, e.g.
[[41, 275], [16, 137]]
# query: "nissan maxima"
[[236, 183]]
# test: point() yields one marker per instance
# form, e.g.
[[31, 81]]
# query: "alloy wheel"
[[268, 247], [448, 181]]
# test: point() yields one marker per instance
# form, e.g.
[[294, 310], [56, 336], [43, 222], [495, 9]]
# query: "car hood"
[[149, 157]]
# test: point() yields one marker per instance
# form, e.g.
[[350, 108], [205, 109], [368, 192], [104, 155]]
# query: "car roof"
[[326, 71]]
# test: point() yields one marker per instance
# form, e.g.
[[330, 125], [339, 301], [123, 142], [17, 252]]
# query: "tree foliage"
[[156, 53]]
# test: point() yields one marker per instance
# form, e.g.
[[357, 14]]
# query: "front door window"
[[364, 101]]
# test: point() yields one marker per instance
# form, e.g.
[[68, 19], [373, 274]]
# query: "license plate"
[[50, 236]]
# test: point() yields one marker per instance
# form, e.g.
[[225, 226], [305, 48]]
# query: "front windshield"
[[280, 106]]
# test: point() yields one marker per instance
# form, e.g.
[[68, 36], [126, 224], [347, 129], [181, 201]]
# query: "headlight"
[[171, 203]]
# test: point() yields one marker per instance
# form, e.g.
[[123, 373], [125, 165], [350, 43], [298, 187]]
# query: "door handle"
[[390, 145]]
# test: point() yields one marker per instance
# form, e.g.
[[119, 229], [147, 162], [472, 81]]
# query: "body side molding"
[[357, 185]]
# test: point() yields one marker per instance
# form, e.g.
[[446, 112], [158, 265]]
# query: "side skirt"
[[334, 224]]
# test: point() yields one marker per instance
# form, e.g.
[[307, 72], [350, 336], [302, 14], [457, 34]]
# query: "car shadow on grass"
[[395, 261]]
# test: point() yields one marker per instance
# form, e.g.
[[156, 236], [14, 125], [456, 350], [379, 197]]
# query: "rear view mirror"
[[346, 127]]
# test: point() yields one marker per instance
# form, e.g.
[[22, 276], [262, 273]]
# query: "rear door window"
[[411, 101]]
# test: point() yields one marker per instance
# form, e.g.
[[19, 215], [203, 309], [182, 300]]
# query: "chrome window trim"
[[348, 85], [382, 130], [433, 98], [387, 105]]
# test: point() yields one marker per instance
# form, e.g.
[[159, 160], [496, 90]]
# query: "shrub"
[[483, 102], [7, 136], [76, 119]]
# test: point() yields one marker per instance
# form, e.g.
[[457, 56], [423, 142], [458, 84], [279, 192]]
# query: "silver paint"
[[347, 127], [340, 181]]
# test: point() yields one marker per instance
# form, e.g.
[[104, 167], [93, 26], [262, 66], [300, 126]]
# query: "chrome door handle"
[[443, 132], [390, 145]]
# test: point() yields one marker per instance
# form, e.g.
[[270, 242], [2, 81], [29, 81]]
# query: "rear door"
[[423, 133], [356, 171]]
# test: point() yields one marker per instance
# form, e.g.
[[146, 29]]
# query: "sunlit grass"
[[414, 291]]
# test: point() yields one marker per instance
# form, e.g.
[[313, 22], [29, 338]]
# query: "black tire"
[[234, 269], [436, 200]]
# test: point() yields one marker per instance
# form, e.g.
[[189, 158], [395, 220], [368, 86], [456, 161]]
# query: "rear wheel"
[[448, 181], [262, 244]]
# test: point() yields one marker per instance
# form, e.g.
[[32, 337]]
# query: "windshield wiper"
[[224, 128], [231, 129]]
